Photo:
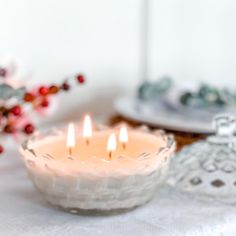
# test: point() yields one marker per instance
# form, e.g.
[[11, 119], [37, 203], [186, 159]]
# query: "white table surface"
[[24, 212]]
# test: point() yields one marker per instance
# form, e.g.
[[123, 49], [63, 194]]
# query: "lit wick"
[[70, 141], [87, 141], [123, 136], [70, 151], [111, 144], [87, 129]]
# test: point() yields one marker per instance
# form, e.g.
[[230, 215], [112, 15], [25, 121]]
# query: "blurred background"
[[186, 39]]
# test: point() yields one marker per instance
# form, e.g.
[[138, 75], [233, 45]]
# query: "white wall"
[[190, 40], [52, 38], [194, 40]]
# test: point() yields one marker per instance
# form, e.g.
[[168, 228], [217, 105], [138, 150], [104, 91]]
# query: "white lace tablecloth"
[[24, 212]]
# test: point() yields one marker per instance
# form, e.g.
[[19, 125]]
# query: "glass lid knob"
[[224, 125]]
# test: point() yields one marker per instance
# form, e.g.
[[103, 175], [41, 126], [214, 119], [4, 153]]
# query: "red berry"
[[80, 78], [43, 90], [1, 149], [29, 129], [3, 72], [28, 97], [65, 86], [16, 110], [53, 89], [45, 103]]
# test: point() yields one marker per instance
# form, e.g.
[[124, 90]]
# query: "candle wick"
[[123, 145], [70, 151], [110, 155], [87, 142]]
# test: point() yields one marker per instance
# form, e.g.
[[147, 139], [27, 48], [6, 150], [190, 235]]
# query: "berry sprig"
[[14, 119]]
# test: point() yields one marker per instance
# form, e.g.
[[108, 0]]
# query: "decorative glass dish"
[[207, 169]]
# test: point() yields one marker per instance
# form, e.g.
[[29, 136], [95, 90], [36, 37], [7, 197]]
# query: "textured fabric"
[[24, 212]]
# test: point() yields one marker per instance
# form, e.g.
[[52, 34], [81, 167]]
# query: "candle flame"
[[70, 141], [111, 143], [87, 127], [123, 135]]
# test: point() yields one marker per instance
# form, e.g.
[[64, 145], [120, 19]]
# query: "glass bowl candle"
[[104, 170]]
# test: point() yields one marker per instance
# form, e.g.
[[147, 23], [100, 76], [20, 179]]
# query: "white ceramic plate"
[[132, 109]]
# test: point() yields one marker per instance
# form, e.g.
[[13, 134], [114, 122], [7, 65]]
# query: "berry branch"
[[13, 118]]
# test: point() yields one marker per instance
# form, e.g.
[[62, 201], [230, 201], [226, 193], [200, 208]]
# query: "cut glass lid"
[[207, 168]]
